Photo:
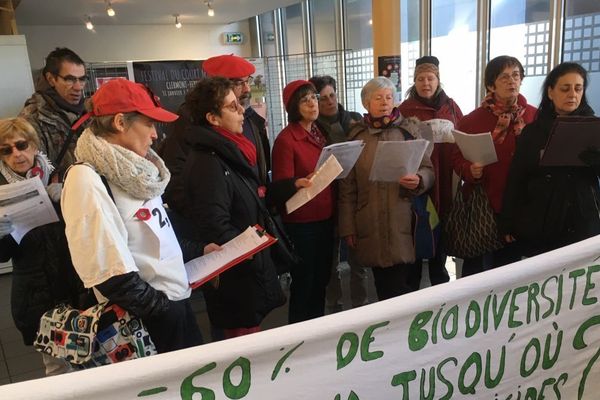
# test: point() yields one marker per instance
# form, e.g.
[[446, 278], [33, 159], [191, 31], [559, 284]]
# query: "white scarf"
[[141, 178], [41, 167]]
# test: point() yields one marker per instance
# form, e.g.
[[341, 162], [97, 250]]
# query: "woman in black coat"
[[545, 208], [219, 205], [43, 275]]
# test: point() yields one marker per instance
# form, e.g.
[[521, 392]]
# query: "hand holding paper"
[[477, 148], [319, 181]]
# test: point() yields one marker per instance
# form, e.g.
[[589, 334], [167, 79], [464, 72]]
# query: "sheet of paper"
[[27, 205], [346, 153], [207, 265], [477, 148], [396, 159], [320, 180]]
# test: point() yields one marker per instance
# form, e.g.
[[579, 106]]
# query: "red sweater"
[[441, 158], [295, 155], [495, 175]]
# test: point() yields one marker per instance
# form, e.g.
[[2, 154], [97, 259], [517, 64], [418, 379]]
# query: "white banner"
[[527, 331]]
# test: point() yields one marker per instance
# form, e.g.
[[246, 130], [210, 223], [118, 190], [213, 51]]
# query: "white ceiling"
[[141, 12]]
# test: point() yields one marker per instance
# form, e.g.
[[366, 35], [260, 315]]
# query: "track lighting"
[[177, 23], [211, 11], [88, 23], [109, 10]]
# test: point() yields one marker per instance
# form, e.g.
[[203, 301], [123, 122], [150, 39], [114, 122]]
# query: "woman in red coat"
[[427, 101], [504, 112], [295, 155]]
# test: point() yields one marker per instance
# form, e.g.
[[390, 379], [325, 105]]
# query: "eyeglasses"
[[242, 82], [234, 106], [515, 76], [8, 150], [308, 98], [71, 80], [331, 96]]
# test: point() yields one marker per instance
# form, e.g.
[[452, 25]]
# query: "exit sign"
[[234, 37]]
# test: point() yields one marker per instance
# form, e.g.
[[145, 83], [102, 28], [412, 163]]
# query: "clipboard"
[[202, 269], [570, 135]]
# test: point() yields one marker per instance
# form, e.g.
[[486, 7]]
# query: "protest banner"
[[530, 330]]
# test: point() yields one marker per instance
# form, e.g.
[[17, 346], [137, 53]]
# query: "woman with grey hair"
[[375, 218]]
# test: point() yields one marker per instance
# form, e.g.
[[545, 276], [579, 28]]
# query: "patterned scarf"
[[506, 115], [383, 122], [316, 136], [41, 167], [246, 147], [141, 178]]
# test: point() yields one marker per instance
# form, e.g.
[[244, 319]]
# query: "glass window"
[[454, 43], [267, 27], [520, 28], [581, 43], [358, 24], [324, 24], [409, 38], [292, 23]]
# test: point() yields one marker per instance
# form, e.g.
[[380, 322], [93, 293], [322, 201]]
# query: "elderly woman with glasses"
[[295, 155], [43, 275], [375, 218], [504, 112], [220, 192]]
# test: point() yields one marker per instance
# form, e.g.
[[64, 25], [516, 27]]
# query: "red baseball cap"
[[123, 96], [290, 89], [228, 66]]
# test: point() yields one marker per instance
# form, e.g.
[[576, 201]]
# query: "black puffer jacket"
[[548, 207], [43, 275], [221, 206]]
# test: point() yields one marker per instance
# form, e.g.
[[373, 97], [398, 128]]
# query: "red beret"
[[290, 89], [228, 66]]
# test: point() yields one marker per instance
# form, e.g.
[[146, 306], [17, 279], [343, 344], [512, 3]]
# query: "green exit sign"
[[234, 38]]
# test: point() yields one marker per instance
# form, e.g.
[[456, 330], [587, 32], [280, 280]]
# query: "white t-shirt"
[[109, 238]]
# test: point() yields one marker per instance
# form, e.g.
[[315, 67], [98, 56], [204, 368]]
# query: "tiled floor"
[[20, 363]]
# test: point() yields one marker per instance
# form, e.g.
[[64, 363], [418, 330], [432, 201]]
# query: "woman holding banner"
[[375, 218], [504, 112], [545, 208]]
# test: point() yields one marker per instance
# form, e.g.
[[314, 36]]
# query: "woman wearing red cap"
[[295, 155], [121, 242], [219, 193], [427, 101]]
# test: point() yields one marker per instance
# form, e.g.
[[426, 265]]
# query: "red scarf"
[[506, 115], [247, 148]]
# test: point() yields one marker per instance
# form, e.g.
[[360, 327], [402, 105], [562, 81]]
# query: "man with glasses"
[[56, 105], [335, 123], [239, 71]]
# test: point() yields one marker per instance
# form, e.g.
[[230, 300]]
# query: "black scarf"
[[436, 102], [61, 103]]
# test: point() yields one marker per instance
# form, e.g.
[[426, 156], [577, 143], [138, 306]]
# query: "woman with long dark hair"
[[549, 207]]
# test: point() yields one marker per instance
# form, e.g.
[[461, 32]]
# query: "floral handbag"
[[102, 334]]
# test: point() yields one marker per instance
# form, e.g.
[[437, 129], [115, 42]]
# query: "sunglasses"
[[8, 150]]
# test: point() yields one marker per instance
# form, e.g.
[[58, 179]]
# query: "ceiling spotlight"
[[109, 10], [370, 22], [88, 23], [211, 11], [177, 23]]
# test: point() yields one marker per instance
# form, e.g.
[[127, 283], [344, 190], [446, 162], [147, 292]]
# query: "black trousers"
[[510, 253], [393, 281], [314, 243], [176, 329]]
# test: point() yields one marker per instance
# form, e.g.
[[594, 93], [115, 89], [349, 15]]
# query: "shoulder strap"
[[102, 177], [261, 206]]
